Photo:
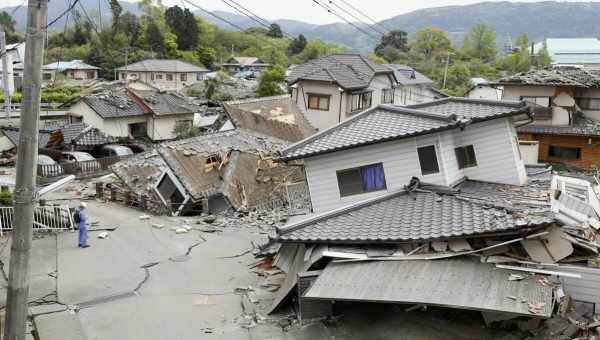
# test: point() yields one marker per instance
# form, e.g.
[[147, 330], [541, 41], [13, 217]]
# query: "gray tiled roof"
[[581, 127], [162, 65], [162, 103], [12, 133], [403, 216], [388, 122], [564, 76], [406, 75], [349, 71], [114, 105]]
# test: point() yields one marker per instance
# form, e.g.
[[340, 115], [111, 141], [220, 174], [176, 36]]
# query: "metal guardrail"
[[44, 218], [78, 168]]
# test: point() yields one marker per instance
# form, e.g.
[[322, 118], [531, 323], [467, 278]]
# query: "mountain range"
[[509, 19]]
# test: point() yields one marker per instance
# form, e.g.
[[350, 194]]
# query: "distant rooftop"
[[563, 76], [349, 71], [162, 65], [406, 75], [389, 122], [69, 65], [572, 51]]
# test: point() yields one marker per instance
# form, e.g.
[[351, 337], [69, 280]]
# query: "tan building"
[[164, 74], [73, 71], [334, 88], [129, 113]]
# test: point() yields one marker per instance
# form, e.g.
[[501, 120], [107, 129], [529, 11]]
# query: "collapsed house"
[[412, 209], [212, 173]]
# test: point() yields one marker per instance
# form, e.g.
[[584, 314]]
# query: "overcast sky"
[[308, 11]]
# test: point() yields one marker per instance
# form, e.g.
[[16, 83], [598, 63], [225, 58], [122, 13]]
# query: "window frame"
[[554, 148], [469, 163], [169, 77], [387, 91], [535, 98], [588, 100], [319, 97], [361, 101], [183, 76], [357, 170], [437, 163]]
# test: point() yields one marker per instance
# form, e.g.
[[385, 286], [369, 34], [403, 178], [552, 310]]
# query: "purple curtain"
[[373, 177]]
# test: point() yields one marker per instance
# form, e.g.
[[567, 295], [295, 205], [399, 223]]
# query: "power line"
[[252, 16], [356, 18], [358, 28], [214, 15], [364, 14], [247, 10], [92, 23]]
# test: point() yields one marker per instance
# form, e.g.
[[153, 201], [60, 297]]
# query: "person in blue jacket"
[[81, 220]]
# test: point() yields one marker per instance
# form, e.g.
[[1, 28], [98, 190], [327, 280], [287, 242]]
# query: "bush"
[[6, 198]]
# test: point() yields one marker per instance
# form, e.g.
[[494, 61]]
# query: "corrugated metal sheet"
[[585, 289], [456, 283]]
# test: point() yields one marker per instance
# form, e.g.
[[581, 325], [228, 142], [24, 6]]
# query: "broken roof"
[[164, 103], [563, 76], [388, 122], [162, 65], [277, 116], [114, 104], [406, 75], [12, 133], [80, 134], [581, 126], [349, 71], [463, 283]]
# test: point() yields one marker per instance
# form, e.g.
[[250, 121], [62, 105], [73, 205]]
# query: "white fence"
[[48, 217]]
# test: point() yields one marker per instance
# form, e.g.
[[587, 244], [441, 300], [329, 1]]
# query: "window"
[[169, 77], [123, 76], [541, 101], [428, 160], [318, 102], [387, 96], [91, 75], [47, 76], [183, 77], [361, 180], [465, 156], [183, 125], [361, 101], [199, 76], [151, 76], [589, 103], [564, 152], [212, 161], [159, 76], [170, 194]]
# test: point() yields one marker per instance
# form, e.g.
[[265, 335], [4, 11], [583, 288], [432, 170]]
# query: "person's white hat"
[[82, 204]]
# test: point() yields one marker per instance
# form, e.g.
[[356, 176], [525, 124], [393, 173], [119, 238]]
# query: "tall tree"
[[298, 44], [116, 9], [543, 58], [430, 43], [183, 24], [480, 43], [270, 82], [8, 24], [275, 31], [155, 39], [392, 44], [129, 24]]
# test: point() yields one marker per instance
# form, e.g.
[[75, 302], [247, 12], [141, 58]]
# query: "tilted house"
[[565, 129], [413, 87], [127, 113], [336, 87], [440, 142], [238, 64], [165, 74]]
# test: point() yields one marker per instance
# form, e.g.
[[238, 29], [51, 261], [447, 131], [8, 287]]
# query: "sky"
[[308, 11]]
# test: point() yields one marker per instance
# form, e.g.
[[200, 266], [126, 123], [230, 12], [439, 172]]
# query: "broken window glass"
[[465, 156], [428, 160], [212, 162], [564, 152]]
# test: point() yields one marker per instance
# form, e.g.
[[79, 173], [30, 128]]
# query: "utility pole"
[[17, 296], [446, 70], [5, 71]]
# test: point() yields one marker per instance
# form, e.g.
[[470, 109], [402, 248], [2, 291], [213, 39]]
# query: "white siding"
[[495, 148], [400, 163], [163, 128]]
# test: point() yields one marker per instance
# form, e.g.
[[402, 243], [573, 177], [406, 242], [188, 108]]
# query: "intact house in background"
[[74, 72], [440, 142], [481, 88], [566, 128], [234, 65], [412, 86], [164, 74], [334, 88], [583, 52], [129, 113]]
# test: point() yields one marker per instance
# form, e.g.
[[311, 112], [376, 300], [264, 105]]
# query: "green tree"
[[430, 43], [116, 9], [183, 24], [543, 57], [522, 42], [155, 39], [480, 43], [275, 31], [298, 44], [458, 79], [8, 24], [270, 82], [129, 24], [392, 44], [207, 56]]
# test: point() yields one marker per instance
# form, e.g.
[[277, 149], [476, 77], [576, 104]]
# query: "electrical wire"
[[92, 23], [364, 15], [252, 16], [214, 15], [266, 22], [328, 9], [372, 27]]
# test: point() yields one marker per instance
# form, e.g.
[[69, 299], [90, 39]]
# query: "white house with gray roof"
[[164, 74], [413, 87], [336, 87], [440, 142]]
